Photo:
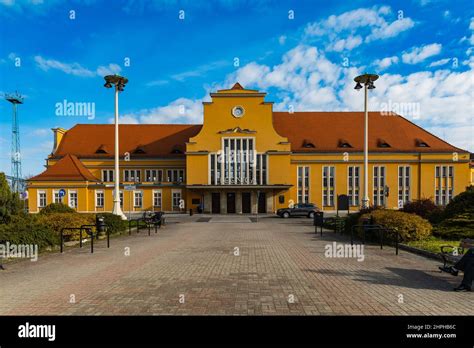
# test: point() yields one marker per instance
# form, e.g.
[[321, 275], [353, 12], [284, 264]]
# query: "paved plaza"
[[229, 265]]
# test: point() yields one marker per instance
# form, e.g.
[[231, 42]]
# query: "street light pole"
[[119, 83], [368, 81]]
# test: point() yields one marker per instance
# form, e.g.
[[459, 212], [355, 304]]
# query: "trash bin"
[[318, 218], [190, 211]]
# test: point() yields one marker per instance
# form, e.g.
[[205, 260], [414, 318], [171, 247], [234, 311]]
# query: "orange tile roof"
[[68, 168], [327, 130], [152, 140]]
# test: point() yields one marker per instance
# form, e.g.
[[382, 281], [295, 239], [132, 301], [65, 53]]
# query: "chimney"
[[58, 136]]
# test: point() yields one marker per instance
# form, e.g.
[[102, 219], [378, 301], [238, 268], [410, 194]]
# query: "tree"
[[10, 203]]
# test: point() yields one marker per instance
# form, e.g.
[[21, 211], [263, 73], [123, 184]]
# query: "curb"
[[420, 252]]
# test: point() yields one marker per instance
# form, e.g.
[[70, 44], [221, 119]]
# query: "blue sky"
[[303, 53]]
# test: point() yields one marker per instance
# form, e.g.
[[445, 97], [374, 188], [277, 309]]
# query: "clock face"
[[238, 111]]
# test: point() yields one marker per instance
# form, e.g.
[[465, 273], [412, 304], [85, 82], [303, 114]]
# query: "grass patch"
[[432, 244]]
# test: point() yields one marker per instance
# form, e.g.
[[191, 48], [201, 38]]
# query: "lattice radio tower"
[[17, 180]]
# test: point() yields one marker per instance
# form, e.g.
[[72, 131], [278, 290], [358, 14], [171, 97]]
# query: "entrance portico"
[[239, 200]]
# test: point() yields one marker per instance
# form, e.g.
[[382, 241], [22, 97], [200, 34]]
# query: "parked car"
[[301, 209]]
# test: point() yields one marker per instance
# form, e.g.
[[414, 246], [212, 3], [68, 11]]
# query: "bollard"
[[190, 211]]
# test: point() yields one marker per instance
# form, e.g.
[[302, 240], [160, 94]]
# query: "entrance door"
[[262, 203], [230, 202], [246, 203], [216, 203]]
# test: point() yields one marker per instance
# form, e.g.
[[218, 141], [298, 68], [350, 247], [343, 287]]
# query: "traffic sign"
[[62, 193]]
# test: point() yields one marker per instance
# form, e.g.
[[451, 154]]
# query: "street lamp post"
[[368, 81], [119, 83]]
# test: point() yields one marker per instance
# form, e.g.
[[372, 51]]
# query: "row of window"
[[72, 199], [444, 183], [151, 175]]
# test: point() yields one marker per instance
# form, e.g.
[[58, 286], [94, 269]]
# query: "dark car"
[[301, 209]]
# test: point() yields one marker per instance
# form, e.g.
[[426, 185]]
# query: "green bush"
[[27, 229], [457, 227], [114, 222], [56, 208], [462, 203], [410, 226], [56, 221], [424, 207]]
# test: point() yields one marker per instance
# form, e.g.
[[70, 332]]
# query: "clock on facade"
[[238, 111]]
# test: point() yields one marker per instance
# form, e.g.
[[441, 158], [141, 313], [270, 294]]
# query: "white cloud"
[[386, 62], [69, 68], [347, 30], [181, 110], [108, 70], [75, 68], [419, 54], [440, 62]]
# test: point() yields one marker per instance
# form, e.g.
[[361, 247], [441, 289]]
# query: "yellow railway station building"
[[245, 158]]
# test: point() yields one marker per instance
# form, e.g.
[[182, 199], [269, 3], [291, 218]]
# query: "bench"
[[451, 254]]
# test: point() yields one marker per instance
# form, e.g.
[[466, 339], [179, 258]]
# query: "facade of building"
[[246, 158]]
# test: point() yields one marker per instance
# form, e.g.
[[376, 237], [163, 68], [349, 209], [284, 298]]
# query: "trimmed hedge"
[[410, 226], [458, 227], [56, 221], [56, 208], [27, 229], [114, 222]]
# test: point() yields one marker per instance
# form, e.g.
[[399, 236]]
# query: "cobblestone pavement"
[[190, 267]]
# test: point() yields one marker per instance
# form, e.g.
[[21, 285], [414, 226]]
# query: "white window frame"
[[381, 199], [136, 175], [54, 193], [305, 189], [160, 199], [135, 192], [38, 198], [106, 175], [404, 191], [155, 178], [96, 200], [328, 194], [353, 190], [173, 192], [444, 193], [69, 194]]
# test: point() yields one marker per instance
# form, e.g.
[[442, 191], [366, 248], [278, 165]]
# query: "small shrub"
[[410, 226], [424, 207], [27, 229], [56, 208], [114, 222], [56, 221]]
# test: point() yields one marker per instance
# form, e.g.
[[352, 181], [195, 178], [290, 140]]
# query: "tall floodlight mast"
[[17, 180]]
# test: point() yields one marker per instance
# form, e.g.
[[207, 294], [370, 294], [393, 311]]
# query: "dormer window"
[[421, 143], [177, 150], [101, 149], [344, 143], [307, 144], [139, 150], [383, 144]]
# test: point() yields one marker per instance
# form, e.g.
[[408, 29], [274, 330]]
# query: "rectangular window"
[[176, 198], [41, 199], [379, 186], [153, 175], [157, 198], [175, 175], [131, 175], [403, 185], [121, 198], [238, 164], [99, 199], [56, 197], [137, 199], [107, 175], [328, 185], [303, 184], [353, 188], [73, 199], [444, 184]]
